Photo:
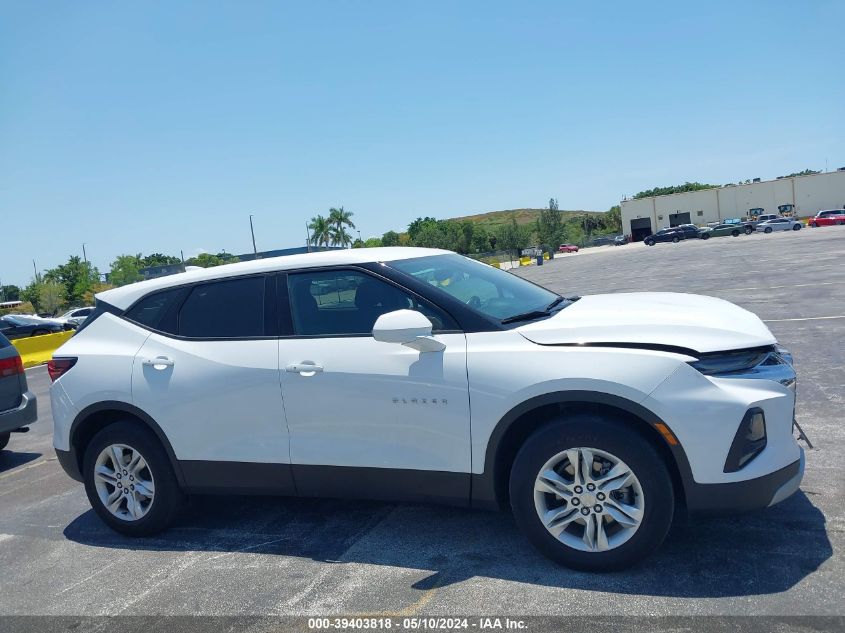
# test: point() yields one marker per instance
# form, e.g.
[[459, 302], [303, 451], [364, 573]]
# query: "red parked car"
[[828, 218], [567, 248]]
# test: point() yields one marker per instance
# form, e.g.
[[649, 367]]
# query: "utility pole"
[[251, 230], [84, 255], [35, 270], [360, 239], [308, 238]]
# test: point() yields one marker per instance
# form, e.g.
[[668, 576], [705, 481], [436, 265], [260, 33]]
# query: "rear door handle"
[[306, 368], [159, 362]]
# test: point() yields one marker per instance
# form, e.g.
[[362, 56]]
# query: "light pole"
[[252, 231], [360, 239], [84, 255]]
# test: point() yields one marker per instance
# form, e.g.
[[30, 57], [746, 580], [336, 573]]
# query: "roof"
[[125, 296]]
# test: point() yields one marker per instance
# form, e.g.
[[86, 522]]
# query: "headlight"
[[731, 362]]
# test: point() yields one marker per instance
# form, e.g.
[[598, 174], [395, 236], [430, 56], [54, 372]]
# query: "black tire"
[[768, 229], [748, 230], [813, 224], [675, 240], [735, 233], [705, 236], [168, 497], [4, 440], [839, 223], [797, 227], [597, 432], [649, 242]]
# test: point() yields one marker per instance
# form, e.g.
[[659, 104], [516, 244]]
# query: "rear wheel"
[[129, 480], [735, 233], [4, 440], [591, 494], [768, 229], [813, 224], [676, 240], [748, 230], [705, 236], [839, 223], [649, 242]]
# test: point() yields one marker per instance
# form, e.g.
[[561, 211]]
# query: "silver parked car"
[[779, 224], [17, 404]]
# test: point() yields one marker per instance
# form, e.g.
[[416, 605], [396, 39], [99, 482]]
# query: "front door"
[[367, 418]]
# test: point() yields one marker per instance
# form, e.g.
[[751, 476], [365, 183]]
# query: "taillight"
[[58, 366], [11, 366]]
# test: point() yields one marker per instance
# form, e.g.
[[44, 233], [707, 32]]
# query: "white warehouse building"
[[803, 195]]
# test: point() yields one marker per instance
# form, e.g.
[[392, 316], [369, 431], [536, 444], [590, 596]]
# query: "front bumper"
[[747, 495], [25, 413]]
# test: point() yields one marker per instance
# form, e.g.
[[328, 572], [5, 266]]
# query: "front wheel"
[[797, 227], [129, 480], [675, 240], [813, 224], [735, 233], [768, 229], [748, 230], [649, 242], [591, 494], [705, 236]]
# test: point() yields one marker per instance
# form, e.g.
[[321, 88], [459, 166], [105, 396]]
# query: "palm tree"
[[321, 231], [340, 220]]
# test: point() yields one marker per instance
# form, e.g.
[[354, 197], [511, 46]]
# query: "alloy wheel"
[[124, 482], [589, 499]]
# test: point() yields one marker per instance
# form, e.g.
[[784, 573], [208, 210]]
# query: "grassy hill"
[[494, 219]]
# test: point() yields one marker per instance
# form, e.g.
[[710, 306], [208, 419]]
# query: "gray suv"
[[18, 407]]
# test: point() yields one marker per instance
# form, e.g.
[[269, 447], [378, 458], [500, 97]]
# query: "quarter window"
[[347, 303], [224, 309], [152, 310]]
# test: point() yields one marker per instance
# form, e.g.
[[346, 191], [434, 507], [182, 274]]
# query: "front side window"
[[488, 290], [224, 309], [347, 303]]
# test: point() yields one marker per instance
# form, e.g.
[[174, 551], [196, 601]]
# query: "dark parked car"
[[674, 234], [602, 241], [18, 407], [620, 240], [16, 326]]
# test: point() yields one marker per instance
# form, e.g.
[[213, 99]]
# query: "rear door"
[[209, 375]]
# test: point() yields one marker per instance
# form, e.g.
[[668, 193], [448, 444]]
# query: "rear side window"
[[224, 309], [152, 310]]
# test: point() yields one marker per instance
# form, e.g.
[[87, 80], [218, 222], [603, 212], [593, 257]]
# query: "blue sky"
[[145, 126]]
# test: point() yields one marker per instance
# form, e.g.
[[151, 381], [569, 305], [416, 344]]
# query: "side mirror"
[[406, 327]]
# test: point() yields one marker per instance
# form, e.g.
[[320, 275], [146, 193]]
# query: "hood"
[[694, 322]]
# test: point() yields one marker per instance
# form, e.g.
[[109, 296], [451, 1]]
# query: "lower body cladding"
[[22, 415]]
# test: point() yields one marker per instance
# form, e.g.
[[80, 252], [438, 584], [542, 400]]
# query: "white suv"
[[417, 374]]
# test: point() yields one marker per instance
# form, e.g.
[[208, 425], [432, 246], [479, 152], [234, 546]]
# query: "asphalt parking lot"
[[266, 556]]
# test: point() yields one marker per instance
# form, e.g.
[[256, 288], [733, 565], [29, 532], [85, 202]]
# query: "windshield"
[[488, 290]]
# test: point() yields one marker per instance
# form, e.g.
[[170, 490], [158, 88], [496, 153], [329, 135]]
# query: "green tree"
[[32, 294], [513, 237], [321, 231], [391, 238], [550, 225], [613, 218], [804, 172], [158, 259], [10, 293], [125, 270], [416, 226], [340, 220], [480, 239], [665, 191], [207, 260], [373, 242], [76, 276], [51, 296], [431, 235]]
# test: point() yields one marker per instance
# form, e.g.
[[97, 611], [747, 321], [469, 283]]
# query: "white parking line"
[[804, 319], [820, 283]]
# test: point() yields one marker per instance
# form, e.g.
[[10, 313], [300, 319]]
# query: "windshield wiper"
[[534, 314]]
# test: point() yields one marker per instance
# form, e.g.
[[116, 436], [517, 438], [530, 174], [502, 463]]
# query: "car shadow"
[[760, 553], [12, 459]]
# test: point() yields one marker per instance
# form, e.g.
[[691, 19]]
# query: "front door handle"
[[159, 362], [306, 368]]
